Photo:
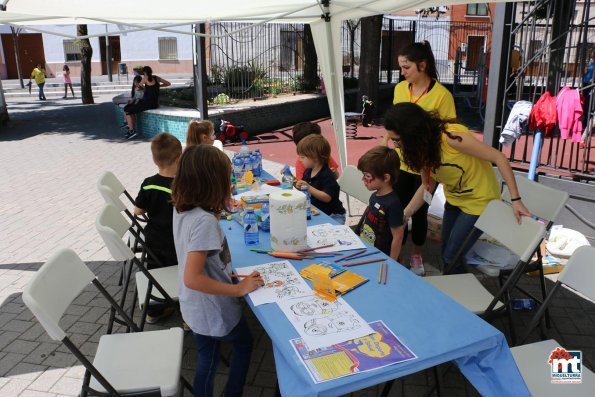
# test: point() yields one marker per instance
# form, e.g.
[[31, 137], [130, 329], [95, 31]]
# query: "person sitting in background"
[[314, 152], [150, 100], [302, 130]]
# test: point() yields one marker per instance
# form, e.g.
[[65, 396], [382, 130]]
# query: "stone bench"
[[163, 119]]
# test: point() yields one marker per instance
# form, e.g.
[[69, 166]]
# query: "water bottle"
[[238, 166], [244, 150], [287, 179], [254, 164], [247, 163], [265, 222], [258, 170], [304, 190], [250, 227]]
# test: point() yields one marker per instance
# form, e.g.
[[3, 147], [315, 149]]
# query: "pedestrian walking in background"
[[39, 75], [67, 81]]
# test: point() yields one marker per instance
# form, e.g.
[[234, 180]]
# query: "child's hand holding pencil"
[[249, 283]]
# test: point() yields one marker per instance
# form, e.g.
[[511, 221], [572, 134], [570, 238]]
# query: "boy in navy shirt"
[[314, 152], [382, 222]]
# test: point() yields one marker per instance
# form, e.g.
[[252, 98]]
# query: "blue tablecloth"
[[433, 326]]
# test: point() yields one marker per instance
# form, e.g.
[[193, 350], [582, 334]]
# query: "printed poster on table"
[[340, 236], [378, 350], [281, 281], [321, 323]]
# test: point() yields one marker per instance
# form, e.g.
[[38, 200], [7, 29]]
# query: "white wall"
[[144, 45], [133, 46]]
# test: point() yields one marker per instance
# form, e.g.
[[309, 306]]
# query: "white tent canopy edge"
[[324, 16]]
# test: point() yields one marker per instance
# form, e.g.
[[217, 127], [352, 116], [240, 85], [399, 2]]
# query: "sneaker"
[[131, 134], [416, 264], [155, 317], [63, 97]]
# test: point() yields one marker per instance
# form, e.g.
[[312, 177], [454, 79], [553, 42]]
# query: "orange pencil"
[[239, 275], [380, 273]]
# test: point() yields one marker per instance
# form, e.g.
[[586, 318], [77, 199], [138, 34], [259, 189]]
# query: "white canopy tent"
[[324, 16]]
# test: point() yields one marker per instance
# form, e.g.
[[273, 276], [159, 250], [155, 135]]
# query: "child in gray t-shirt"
[[209, 300]]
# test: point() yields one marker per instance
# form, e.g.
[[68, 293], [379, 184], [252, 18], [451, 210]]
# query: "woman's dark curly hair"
[[420, 133]]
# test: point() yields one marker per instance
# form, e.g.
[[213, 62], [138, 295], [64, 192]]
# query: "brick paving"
[[52, 154]]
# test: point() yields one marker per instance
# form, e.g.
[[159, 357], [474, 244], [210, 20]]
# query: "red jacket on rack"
[[544, 114]]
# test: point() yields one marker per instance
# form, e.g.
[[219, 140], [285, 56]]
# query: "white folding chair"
[[351, 184], [109, 180], [147, 363], [498, 221], [112, 226], [532, 359], [545, 203]]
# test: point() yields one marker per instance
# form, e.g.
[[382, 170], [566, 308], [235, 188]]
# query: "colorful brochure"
[[368, 353]]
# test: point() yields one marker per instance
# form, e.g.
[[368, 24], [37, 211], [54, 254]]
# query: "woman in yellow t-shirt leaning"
[[420, 86], [446, 152]]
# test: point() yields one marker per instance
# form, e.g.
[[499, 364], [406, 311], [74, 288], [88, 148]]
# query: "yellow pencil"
[[380, 273]]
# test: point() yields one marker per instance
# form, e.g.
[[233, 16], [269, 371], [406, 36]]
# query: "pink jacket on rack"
[[570, 113]]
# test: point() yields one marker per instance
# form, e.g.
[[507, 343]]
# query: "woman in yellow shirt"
[[420, 86], [445, 152]]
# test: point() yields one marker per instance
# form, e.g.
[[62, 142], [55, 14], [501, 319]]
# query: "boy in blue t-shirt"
[[382, 222]]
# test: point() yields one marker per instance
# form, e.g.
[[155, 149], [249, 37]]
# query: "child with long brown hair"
[[208, 298], [200, 132]]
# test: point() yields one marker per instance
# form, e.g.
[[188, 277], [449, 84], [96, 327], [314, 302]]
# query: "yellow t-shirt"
[[38, 75], [469, 183], [437, 99]]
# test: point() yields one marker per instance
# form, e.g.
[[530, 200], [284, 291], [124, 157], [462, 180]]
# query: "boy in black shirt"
[[382, 223], [314, 152], [154, 199]]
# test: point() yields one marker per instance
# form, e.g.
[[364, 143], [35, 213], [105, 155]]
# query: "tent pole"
[[199, 66]]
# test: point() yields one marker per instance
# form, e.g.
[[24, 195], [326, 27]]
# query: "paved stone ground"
[[52, 154]]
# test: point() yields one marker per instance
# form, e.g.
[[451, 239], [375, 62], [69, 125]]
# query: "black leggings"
[[407, 185]]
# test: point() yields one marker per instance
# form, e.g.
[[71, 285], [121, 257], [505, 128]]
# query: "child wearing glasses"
[[382, 223], [200, 132], [314, 152]]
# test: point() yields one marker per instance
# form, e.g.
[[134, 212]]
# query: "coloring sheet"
[[281, 281], [321, 323], [341, 236]]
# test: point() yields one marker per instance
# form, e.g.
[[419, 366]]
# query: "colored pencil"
[[385, 272], [260, 250], [380, 272], [239, 275], [352, 255], [363, 262], [317, 248], [364, 255]]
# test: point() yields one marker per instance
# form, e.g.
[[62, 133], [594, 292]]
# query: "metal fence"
[[533, 44], [258, 61], [267, 60]]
